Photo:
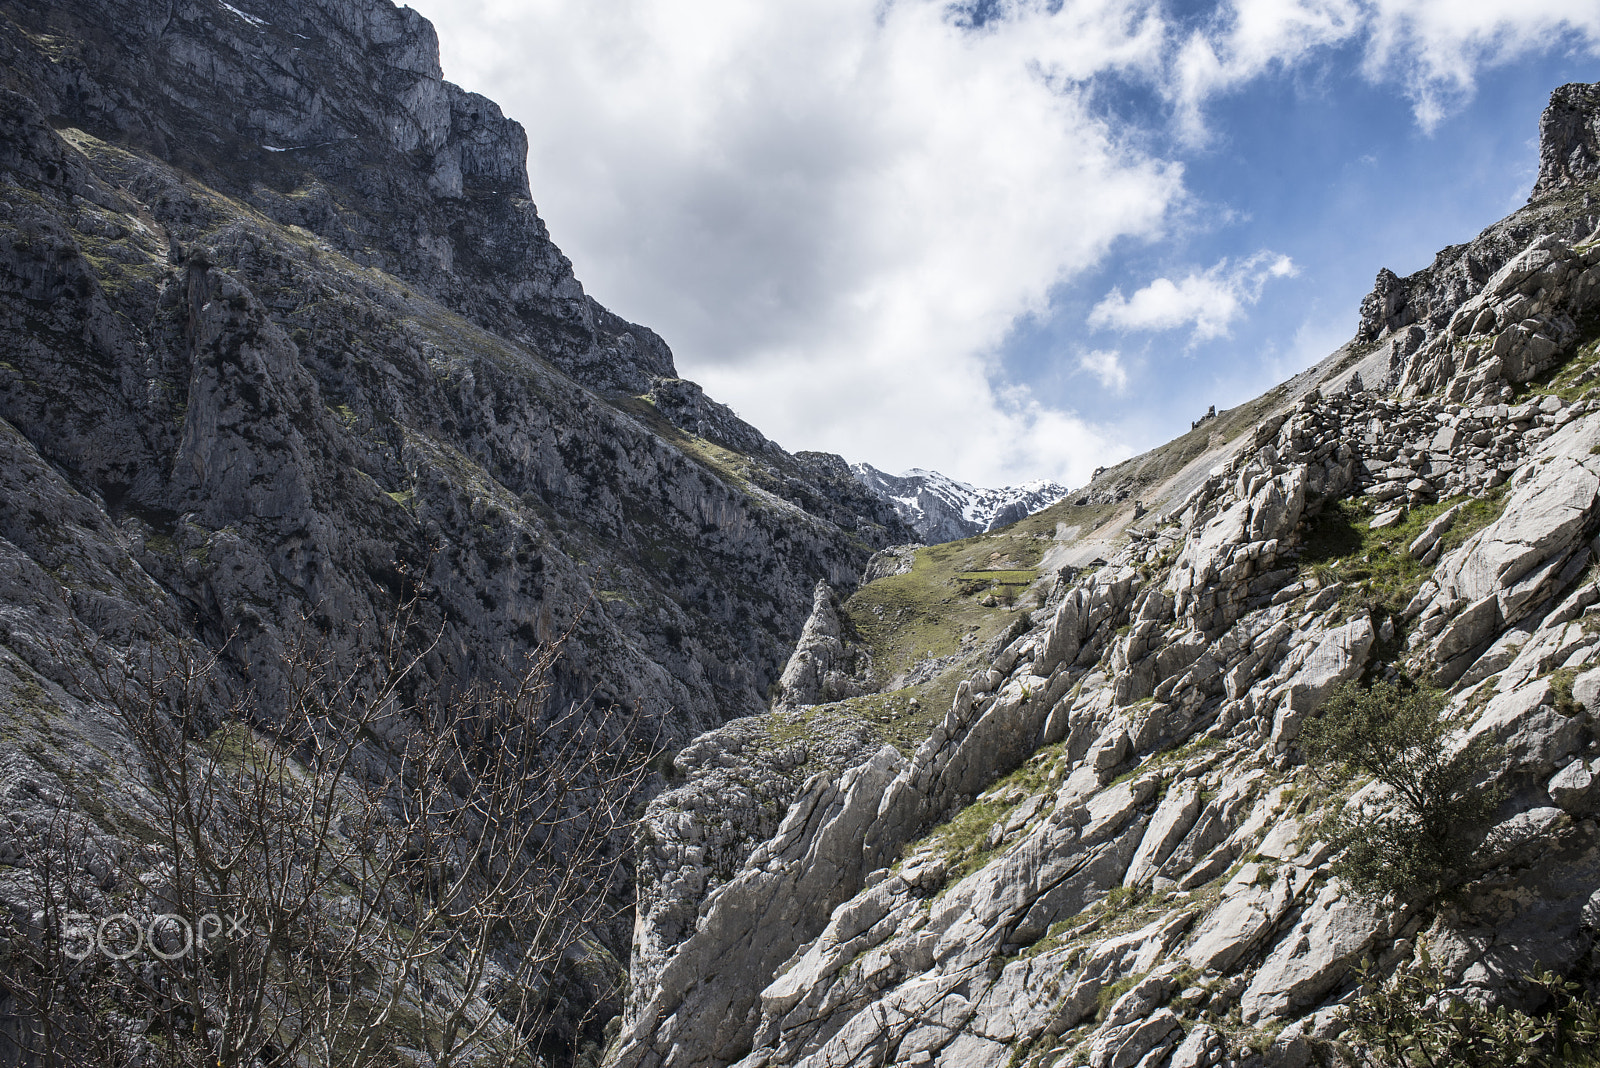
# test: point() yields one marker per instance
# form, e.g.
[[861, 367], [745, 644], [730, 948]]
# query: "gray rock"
[[1386, 519], [1167, 828], [754, 923], [1314, 956], [1534, 736], [1573, 787], [885, 563], [1424, 543], [1202, 1047], [1586, 689], [1245, 915], [1336, 656], [1540, 525], [1569, 141], [1470, 628], [824, 666], [1130, 1044]]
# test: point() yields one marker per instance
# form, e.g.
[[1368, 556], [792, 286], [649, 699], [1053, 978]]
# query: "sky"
[[1010, 239]]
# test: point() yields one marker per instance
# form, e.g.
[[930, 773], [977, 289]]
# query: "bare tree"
[[380, 873]]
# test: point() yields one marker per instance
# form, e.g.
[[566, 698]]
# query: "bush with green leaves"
[[1396, 735], [1415, 1020]]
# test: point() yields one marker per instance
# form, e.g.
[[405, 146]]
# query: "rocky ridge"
[[1107, 852]]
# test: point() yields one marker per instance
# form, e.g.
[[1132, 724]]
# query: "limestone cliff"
[[277, 297], [285, 345]]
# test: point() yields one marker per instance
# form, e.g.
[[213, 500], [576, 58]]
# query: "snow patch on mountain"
[[943, 509]]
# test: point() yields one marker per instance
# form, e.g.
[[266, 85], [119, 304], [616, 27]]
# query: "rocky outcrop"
[[1569, 140], [1504, 307], [828, 663]]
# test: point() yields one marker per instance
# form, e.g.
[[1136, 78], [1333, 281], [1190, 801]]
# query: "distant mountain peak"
[[942, 508]]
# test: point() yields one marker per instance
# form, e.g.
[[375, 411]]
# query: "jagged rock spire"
[[1569, 139]]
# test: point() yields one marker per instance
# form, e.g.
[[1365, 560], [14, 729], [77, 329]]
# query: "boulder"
[[1337, 655], [1245, 915], [1171, 822], [1573, 787], [1315, 955], [1542, 521]]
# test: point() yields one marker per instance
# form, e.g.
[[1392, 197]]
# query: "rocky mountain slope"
[[942, 509], [1109, 848], [284, 346], [384, 291]]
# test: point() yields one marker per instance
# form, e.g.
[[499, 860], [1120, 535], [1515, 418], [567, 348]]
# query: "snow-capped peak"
[[944, 509]]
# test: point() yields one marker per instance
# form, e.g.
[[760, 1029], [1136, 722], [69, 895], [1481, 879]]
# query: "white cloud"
[[1106, 365], [1210, 300], [1246, 38], [1433, 48], [835, 210], [1437, 47]]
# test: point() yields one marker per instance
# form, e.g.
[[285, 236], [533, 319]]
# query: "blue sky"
[[1021, 244], [1317, 165]]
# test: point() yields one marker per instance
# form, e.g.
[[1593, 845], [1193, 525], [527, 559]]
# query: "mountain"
[[1103, 826], [279, 301], [941, 509], [289, 361], [364, 580]]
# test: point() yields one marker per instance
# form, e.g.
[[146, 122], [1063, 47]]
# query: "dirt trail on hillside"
[[1076, 548]]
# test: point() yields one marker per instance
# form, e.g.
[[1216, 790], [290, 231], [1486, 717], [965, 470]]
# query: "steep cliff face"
[[334, 116], [1111, 849], [1569, 141], [284, 345], [280, 302]]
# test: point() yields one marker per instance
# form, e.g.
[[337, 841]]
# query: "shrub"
[[1395, 735], [409, 874], [1416, 1020]]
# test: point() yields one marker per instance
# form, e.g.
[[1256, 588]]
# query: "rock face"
[[287, 346], [374, 348], [1569, 140], [1107, 853], [941, 509], [828, 663]]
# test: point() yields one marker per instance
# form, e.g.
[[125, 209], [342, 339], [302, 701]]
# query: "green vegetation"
[[1415, 1020], [1381, 574], [1561, 689], [936, 609], [963, 840], [1576, 377], [1395, 735], [1006, 585], [736, 469], [1112, 991]]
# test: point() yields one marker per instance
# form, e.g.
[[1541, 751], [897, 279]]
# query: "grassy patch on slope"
[[938, 608], [1579, 375], [1376, 565]]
